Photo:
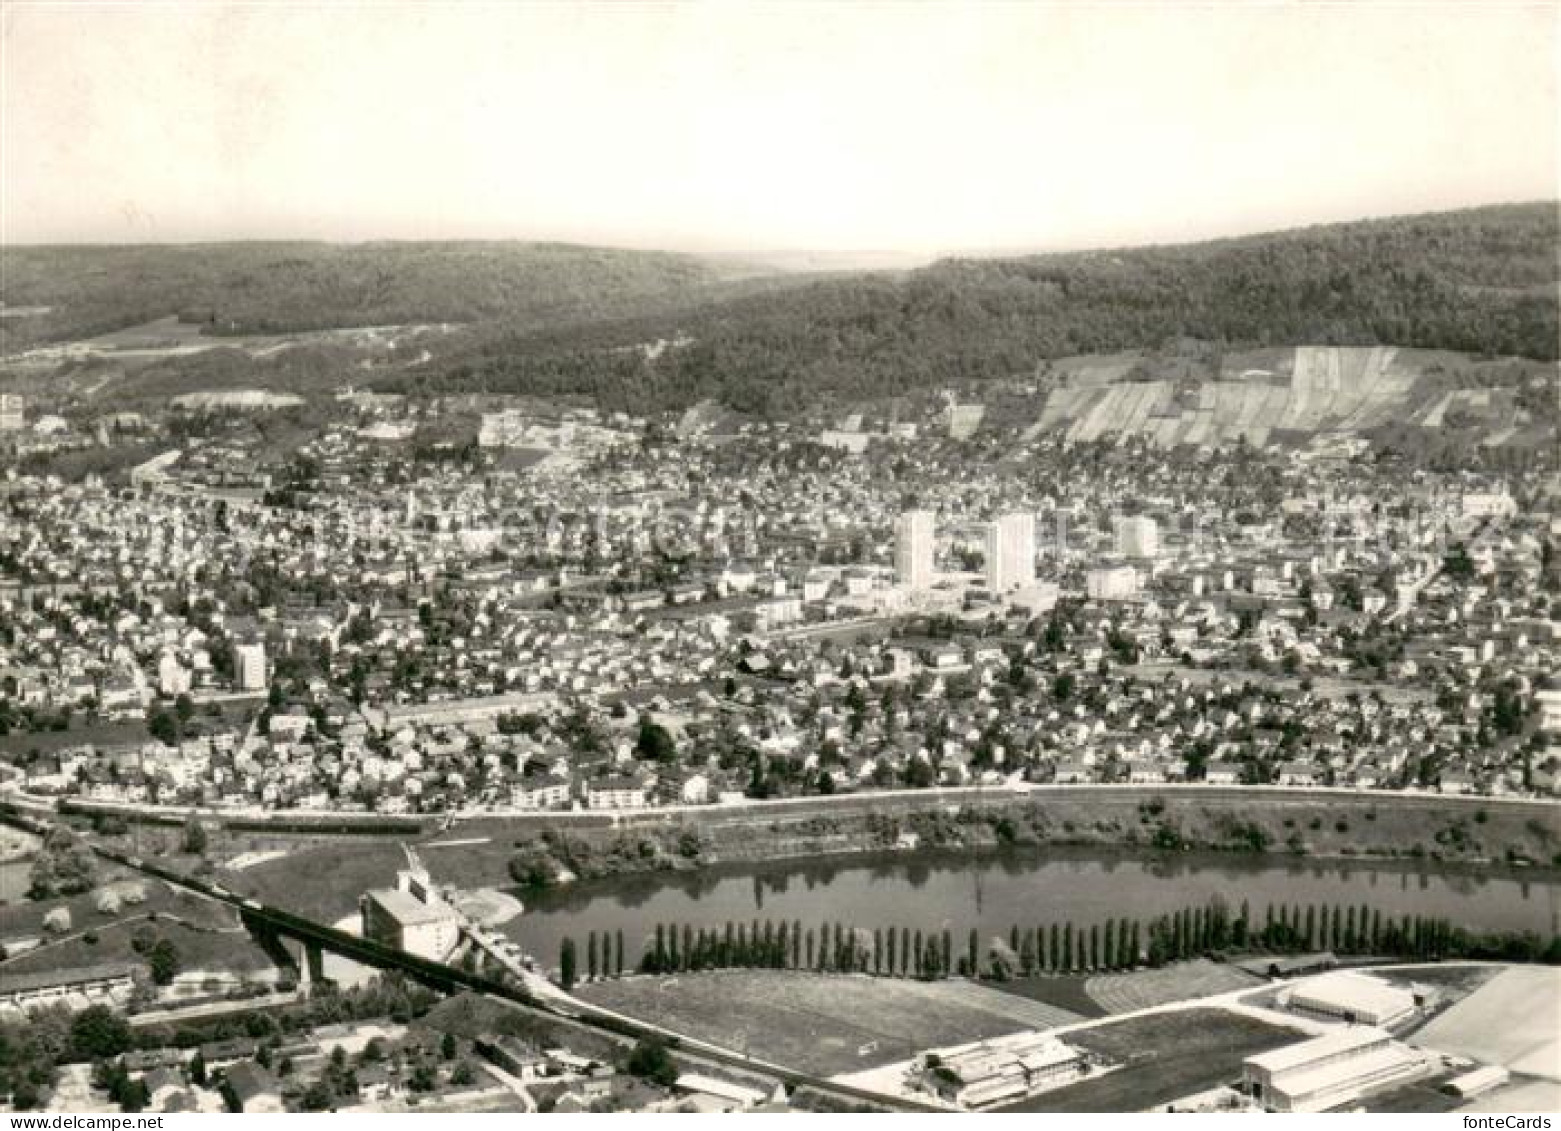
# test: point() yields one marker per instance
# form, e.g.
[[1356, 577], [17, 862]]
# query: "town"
[[658, 614], [551, 612], [845, 559]]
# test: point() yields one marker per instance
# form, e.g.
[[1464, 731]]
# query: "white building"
[[11, 417], [1489, 504], [616, 793], [1111, 583], [1356, 998], [155, 469], [249, 666], [1035, 599], [1329, 1071], [1010, 552], [1549, 700], [726, 1096], [1005, 1069], [412, 916], [109, 984], [964, 419], [853, 442], [173, 678], [914, 537], [549, 793], [776, 613], [1138, 537]]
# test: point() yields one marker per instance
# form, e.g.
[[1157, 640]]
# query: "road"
[[514, 1084], [885, 801]]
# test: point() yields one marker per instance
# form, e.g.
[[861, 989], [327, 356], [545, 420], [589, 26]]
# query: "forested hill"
[[1482, 281], [267, 288]]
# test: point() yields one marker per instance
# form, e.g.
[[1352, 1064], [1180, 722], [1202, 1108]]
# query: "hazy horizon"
[[866, 129], [761, 253]]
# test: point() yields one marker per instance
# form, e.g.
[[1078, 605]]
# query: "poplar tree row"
[[1053, 948], [827, 948]]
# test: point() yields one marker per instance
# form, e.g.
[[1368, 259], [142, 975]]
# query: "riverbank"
[[1359, 826], [326, 878]]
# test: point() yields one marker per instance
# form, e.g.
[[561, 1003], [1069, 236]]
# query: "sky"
[[750, 126]]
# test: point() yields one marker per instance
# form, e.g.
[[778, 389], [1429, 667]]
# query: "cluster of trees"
[[1058, 948], [32, 1049], [114, 1078], [29, 1052], [830, 947], [650, 1060], [162, 956], [604, 958], [390, 996], [1366, 930], [63, 866], [425, 1069], [168, 726]]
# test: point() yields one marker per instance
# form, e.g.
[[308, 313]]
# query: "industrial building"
[[1002, 1070], [412, 916], [1329, 1071], [1347, 996]]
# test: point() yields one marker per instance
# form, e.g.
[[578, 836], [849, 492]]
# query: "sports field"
[[824, 1024], [1143, 989], [1164, 1056]]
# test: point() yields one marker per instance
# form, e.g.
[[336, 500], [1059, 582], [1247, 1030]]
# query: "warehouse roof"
[[407, 910], [1360, 992], [1291, 1057]]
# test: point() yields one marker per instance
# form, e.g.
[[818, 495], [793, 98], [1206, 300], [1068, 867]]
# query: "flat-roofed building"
[[1478, 1082], [1348, 996], [412, 916], [397, 919], [914, 537], [75, 988], [1010, 552], [1111, 583], [1329, 1071], [1138, 537], [726, 1096], [249, 666], [1002, 1069]]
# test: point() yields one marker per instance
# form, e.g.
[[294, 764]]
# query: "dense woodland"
[[552, 320], [266, 288], [1483, 282]]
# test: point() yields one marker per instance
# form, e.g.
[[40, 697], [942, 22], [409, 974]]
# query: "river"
[[1026, 887]]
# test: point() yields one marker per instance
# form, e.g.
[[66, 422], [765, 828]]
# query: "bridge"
[[272, 925]]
